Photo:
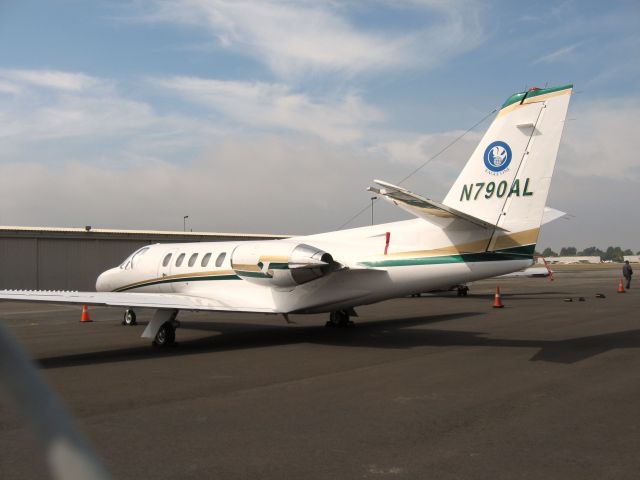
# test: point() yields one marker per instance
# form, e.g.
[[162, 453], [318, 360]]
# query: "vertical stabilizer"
[[506, 180]]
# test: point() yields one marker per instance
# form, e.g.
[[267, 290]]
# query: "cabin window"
[[166, 260], [192, 259], [179, 259], [205, 260], [220, 259]]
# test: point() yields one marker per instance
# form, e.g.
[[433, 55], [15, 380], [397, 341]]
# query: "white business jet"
[[487, 225]]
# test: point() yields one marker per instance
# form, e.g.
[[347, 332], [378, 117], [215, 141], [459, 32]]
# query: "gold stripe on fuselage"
[[186, 276], [471, 247], [526, 237], [507, 240]]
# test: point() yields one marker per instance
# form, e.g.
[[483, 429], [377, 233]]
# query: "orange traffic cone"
[[85, 315], [621, 287], [497, 303]]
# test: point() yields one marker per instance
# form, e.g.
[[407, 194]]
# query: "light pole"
[[184, 223], [372, 200]]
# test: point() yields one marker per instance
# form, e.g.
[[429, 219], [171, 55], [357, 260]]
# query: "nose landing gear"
[[129, 317]]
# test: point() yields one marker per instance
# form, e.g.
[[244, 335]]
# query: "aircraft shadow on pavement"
[[389, 334], [543, 296]]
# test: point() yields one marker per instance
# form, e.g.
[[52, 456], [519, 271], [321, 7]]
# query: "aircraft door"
[[167, 261]]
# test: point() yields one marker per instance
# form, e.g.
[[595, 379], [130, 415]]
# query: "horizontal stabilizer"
[[551, 214], [422, 207]]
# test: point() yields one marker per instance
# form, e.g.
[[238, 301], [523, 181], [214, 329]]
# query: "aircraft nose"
[[103, 283]]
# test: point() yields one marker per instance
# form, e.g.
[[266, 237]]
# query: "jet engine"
[[280, 263]]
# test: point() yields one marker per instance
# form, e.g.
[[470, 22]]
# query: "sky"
[[275, 116]]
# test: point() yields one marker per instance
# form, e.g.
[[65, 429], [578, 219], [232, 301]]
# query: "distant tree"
[[568, 251], [614, 254], [592, 252], [628, 252], [547, 252], [638, 252]]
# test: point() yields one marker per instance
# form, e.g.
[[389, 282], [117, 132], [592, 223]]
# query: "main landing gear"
[[463, 290], [340, 319], [166, 336], [162, 328]]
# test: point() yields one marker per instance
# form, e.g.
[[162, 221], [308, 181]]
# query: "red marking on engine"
[[386, 246]]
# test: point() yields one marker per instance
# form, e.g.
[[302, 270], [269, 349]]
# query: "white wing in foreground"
[[121, 299]]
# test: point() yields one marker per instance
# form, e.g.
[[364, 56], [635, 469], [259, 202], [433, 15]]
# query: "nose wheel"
[[129, 317]]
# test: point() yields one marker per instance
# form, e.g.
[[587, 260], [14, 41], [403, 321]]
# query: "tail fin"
[[506, 181]]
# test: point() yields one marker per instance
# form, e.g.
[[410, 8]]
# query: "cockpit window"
[[220, 259], [138, 254], [192, 259], [166, 260], [179, 259], [126, 261], [205, 260]]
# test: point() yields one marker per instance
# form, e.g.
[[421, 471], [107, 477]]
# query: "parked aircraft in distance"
[[487, 225]]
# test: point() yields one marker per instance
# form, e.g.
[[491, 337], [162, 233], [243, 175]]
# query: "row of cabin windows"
[[192, 259]]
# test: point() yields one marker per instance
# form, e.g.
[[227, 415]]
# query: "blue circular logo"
[[497, 156]]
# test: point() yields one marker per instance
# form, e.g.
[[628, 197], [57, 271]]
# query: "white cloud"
[[294, 38], [53, 79], [417, 149], [441, 155], [557, 55], [93, 122], [599, 139], [276, 106], [8, 87], [251, 183]]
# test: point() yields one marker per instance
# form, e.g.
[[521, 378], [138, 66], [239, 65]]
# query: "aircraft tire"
[[463, 291], [129, 317], [339, 319], [166, 336]]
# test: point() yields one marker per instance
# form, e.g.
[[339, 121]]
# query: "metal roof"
[[115, 232]]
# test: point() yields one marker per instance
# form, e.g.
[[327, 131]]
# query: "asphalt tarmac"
[[436, 387]]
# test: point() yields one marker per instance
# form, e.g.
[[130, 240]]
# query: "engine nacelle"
[[280, 263]]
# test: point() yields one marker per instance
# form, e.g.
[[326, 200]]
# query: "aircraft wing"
[[128, 299], [423, 207]]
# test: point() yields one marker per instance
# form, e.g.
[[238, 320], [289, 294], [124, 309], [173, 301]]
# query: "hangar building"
[[72, 258]]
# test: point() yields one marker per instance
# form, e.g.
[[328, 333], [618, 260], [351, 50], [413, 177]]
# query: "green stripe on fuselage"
[[515, 253]]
